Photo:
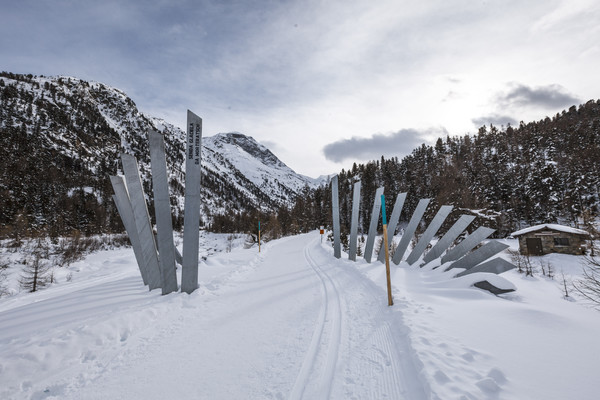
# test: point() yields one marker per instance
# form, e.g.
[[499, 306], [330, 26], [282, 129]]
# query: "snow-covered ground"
[[292, 322]]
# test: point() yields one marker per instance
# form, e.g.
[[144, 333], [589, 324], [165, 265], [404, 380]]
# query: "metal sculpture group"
[[461, 255], [156, 257]]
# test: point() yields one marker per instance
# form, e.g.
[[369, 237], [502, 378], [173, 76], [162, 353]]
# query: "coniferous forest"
[[540, 172], [57, 148]]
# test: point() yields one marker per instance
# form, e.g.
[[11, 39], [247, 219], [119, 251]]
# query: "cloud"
[[550, 96], [397, 144], [494, 119], [271, 145]]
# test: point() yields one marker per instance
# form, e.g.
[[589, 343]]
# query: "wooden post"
[[387, 255], [259, 236]]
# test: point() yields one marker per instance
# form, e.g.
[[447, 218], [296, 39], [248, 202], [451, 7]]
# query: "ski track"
[[353, 354], [379, 360], [325, 343], [356, 348]]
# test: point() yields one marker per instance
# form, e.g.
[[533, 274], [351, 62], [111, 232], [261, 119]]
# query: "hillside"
[[60, 139], [540, 172]]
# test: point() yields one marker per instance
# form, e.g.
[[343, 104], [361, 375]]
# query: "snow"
[[292, 322], [556, 227]]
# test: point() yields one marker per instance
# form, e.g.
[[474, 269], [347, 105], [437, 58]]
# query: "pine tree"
[[35, 274]]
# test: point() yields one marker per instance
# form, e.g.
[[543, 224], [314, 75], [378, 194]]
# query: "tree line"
[[546, 171]]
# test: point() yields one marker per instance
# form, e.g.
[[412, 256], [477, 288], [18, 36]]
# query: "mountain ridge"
[[62, 134]]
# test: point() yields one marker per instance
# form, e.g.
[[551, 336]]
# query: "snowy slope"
[[77, 129], [293, 322], [251, 167]]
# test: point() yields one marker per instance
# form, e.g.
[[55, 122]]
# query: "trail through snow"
[[293, 322], [285, 323]]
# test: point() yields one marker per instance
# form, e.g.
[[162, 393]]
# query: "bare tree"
[[547, 268], [34, 275], [589, 285], [229, 243], [563, 280], [523, 263], [379, 245], [3, 268]]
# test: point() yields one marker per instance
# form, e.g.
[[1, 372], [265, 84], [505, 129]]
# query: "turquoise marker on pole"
[[387, 256], [383, 210], [259, 236]]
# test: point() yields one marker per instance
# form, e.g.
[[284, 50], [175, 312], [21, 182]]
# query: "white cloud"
[[397, 144], [303, 74]]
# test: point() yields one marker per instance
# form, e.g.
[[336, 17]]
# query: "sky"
[[322, 83]]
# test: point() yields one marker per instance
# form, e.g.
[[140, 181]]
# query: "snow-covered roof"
[[555, 227]]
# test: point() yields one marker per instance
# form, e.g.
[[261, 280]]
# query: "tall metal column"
[[191, 216], [142, 219], [431, 230], [335, 210], [410, 230], [162, 209], [121, 199], [354, 223], [475, 257], [459, 226], [373, 225], [466, 245]]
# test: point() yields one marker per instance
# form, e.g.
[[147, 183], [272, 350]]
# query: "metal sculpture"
[[373, 226], [431, 230], [191, 216], [467, 244], [475, 257], [121, 199], [396, 211], [335, 210], [410, 230], [442, 245], [354, 221], [142, 220], [162, 210]]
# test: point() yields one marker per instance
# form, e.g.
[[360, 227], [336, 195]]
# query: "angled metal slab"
[[121, 199], [485, 285], [142, 219], [178, 257], [354, 221], [373, 225], [191, 215], [335, 213], [494, 266], [459, 226], [410, 230], [162, 210], [393, 222], [466, 245], [475, 257], [431, 230]]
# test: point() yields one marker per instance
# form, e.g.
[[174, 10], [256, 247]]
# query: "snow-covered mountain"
[[60, 139]]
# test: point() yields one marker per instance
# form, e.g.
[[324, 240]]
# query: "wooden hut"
[[552, 238]]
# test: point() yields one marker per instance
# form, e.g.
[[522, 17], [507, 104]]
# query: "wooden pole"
[[259, 236], [387, 255]]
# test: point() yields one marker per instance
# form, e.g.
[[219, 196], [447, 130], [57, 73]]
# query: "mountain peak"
[[71, 132], [250, 146]]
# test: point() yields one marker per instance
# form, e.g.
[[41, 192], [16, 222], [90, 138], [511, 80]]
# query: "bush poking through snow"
[[589, 285], [523, 263], [35, 274], [3, 268]]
